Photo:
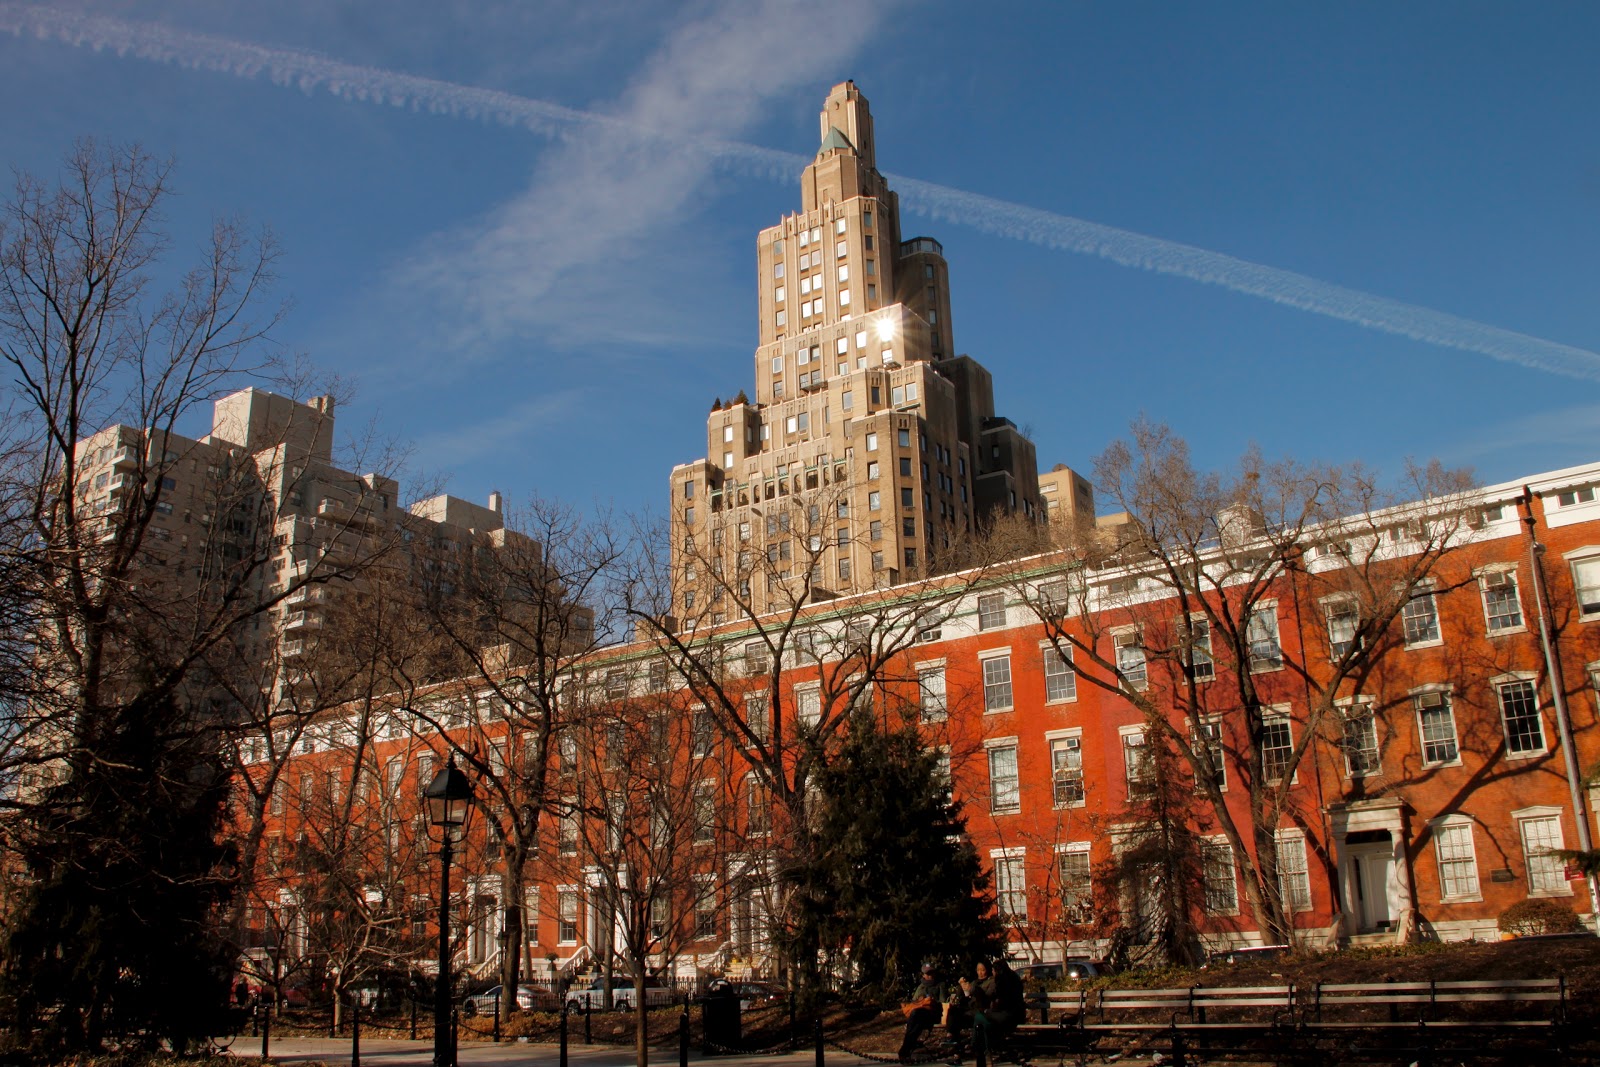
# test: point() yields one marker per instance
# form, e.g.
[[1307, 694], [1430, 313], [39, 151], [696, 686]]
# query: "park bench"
[[1351, 1005]]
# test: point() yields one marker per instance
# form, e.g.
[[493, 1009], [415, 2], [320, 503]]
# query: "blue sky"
[[547, 300]]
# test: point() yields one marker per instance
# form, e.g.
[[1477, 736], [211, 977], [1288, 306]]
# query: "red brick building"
[[1422, 801]]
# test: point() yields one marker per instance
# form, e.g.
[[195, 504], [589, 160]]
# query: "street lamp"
[[449, 798]]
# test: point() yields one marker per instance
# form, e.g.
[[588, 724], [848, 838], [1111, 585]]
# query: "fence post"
[[455, 1037], [266, 1033], [683, 1035], [588, 1035], [1178, 1057], [564, 1014], [497, 1018], [413, 1015], [355, 1031], [817, 1032]]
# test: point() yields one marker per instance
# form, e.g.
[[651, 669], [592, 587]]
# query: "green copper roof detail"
[[835, 139]]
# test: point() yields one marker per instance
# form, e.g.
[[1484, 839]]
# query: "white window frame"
[[1065, 677], [1423, 592], [1495, 578], [932, 701], [1421, 699], [804, 695], [992, 688], [1066, 749], [990, 617], [1213, 850], [1345, 707], [1531, 681], [1453, 853], [1266, 663], [1586, 558], [1006, 799], [1341, 607], [1207, 734], [1272, 717], [1077, 910], [1010, 866], [1146, 780], [1131, 637], [1292, 848], [1549, 871], [1200, 642]]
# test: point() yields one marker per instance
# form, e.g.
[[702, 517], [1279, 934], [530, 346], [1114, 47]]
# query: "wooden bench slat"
[[1284, 990]]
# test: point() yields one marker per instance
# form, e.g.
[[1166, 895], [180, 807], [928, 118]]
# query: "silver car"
[[484, 1003]]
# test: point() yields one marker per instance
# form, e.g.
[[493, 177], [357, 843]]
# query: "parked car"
[[529, 998], [750, 994], [592, 997], [1252, 952]]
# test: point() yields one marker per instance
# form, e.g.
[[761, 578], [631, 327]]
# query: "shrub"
[[1529, 917]]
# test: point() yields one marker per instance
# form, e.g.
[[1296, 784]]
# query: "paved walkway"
[[388, 1053]]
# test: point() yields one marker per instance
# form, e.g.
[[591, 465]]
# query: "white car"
[[592, 997], [484, 1003]]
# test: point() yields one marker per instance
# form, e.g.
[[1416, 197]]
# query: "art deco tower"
[[870, 448]]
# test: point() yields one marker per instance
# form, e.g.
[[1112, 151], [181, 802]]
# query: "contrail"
[[310, 72]]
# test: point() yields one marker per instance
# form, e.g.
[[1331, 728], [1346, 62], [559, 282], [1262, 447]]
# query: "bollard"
[[817, 1029], [413, 1017], [455, 1037], [1179, 1058], [355, 1031], [588, 1036], [683, 1036], [564, 1014], [497, 1018], [266, 1034]]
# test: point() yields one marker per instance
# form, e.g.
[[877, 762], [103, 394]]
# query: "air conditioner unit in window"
[[1497, 579], [1430, 700]]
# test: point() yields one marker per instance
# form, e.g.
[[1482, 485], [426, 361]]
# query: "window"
[[1502, 607], [1060, 681], [1277, 746], [756, 719], [705, 812], [997, 683], [874, 501], [705, 908], [847, 400], [758, 804], [567, 915], [1208, 746], [1541, 837], [875, 530], [844, 298], [1054, 599], [1585, 495], [1360, 741], [700, 734], [1010, 885], [1130, 658], [567, 833], [1586, 583], [1519, 711], [992, 611], [1004, 792], [1137, 764], [1220, 877], [1343, 620], [1420, 619], [1262, 635], [903, 438], [931, 693], [872, 442], [872, 471], [808, 706], [1077, 883], [1066, 768], [1436, 721], [1202, 668], [1458, 863], [1294, 878]]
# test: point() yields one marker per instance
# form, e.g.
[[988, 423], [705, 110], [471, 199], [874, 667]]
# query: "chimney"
[[494, 501]]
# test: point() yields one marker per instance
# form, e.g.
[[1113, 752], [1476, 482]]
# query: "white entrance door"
[[1374, 870]]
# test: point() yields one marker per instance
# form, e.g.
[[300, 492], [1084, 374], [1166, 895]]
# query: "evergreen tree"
[[890, 878], [117, 932]]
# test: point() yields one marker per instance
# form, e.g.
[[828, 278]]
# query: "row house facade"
[[1428, 794]]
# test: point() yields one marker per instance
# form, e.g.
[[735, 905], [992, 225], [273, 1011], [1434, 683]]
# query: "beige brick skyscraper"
[[871, 449]]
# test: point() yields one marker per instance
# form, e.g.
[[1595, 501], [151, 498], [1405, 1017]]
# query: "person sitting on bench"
[[927, 1008]]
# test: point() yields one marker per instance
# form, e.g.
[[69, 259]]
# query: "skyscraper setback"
[[871, 448]]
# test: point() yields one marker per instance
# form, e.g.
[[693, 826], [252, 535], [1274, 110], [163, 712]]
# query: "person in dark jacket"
[[998, 1003], [928, 1007]]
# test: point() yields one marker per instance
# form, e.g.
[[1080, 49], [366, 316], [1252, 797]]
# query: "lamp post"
[[449, 798]]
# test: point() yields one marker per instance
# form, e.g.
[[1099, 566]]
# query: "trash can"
[[721, 1029]]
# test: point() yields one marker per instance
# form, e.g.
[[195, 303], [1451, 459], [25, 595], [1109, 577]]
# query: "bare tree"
[[1241, 615]]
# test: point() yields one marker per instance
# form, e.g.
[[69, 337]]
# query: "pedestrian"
[[928, 1007]]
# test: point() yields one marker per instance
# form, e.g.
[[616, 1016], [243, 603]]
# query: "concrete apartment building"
[[261, 492], [871, 448]]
